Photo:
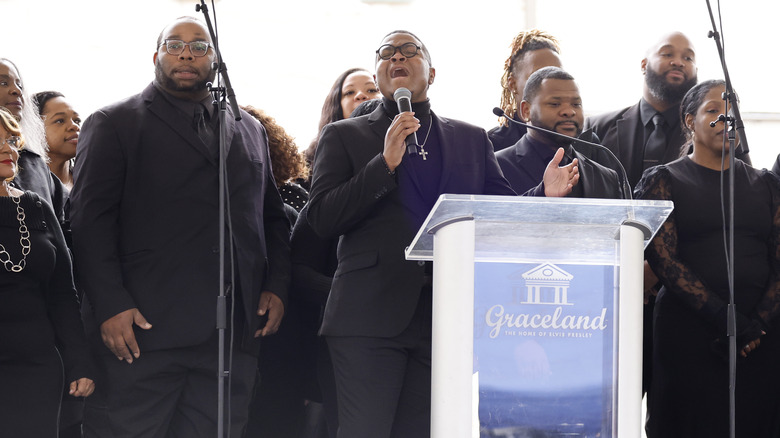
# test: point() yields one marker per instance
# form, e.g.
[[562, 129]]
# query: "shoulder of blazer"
[[602, 123]]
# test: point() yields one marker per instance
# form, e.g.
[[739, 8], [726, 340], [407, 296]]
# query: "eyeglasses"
[[176, 47], [388, 50], [12, 141]]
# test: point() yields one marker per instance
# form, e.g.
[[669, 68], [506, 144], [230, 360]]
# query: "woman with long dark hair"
[[350, 89]]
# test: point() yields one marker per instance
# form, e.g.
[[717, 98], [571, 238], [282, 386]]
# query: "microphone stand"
[[731, 100], [220, 94]]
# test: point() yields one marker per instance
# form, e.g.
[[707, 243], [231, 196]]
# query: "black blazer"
[[597, 181], [375, 289], [145, 219], [617, 131]]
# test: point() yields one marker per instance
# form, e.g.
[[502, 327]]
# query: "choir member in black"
[[690, 365], [531, 50], [34, 173], [40, 326], [351, 88], [62, 125], [368, 191]]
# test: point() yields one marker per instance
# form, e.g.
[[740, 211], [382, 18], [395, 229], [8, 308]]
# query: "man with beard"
[[551, 100], [146, 240], [648, 133]]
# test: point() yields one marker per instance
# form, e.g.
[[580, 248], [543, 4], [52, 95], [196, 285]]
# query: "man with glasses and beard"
[[146, 241], [373, 193], [648, 134], [551, 100]]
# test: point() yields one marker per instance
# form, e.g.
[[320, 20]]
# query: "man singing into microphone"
[[146, 239], [551, 100], [370, 190]]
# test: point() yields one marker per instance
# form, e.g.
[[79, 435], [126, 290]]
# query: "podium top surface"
[[522, 228]]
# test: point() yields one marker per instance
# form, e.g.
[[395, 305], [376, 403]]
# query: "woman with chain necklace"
[[40, 326]]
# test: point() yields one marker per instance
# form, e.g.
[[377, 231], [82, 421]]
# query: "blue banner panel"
[[544, 349]]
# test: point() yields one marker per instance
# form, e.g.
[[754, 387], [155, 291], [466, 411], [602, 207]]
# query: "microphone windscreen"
[[498, 111], [401, 93]]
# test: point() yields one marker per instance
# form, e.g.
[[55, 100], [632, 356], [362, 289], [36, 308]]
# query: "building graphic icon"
[[547, 284]]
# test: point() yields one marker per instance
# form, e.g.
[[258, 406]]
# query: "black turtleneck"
[[418, 179]]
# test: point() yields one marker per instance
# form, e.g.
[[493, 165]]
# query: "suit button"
[[215, 249], [421, 263]]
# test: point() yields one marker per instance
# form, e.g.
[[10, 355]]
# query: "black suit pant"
[[169, 394], [384, 384]]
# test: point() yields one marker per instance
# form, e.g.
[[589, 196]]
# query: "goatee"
[[661, 89], [170, 84]]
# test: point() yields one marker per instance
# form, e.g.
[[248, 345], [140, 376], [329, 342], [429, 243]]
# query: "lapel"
[[178, 122], [230, 126], [379, 122], [626, 128], [447, 147], [586, 171], [523, 148]]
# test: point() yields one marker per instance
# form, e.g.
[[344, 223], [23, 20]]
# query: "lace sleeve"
[[664, 259], [769, 306]]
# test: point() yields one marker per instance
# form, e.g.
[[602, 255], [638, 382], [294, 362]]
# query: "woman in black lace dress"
[[40, 326], [690, 355]]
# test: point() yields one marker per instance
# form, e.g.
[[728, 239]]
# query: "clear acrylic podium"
[[555, 345]]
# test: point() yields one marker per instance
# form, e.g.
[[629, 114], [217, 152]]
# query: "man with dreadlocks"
[[531, 50]]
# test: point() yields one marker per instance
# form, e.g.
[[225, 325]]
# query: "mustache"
[[576, 125], [679, 70]]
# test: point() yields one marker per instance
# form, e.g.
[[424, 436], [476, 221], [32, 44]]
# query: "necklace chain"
[[423, 152], [24, 241]]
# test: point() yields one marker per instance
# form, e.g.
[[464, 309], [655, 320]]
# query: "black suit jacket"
[[145, 219], [617, 131], [597, 181], [375, 289]]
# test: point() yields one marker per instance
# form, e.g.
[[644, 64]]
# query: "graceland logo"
[[545, 292], [497, 319]]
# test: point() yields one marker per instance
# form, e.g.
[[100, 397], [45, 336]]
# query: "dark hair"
[[366, 107], [41, 98], [331, 110], [286, 162], [692, 101], [524, 42], [534, 82], [426, 53]]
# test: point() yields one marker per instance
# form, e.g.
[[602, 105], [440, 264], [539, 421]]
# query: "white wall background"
[[284, 55]]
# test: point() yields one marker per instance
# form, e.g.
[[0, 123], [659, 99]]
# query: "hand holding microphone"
[[401, 136]]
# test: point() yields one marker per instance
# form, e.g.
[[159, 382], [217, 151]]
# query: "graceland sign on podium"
[[537, 314]]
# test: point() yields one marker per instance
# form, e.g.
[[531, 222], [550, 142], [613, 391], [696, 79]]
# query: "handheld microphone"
[[574, 140], [403, 97]]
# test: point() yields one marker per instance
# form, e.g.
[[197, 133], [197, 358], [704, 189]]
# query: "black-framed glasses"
[[176, 47], [13, 141], [387, 51]]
